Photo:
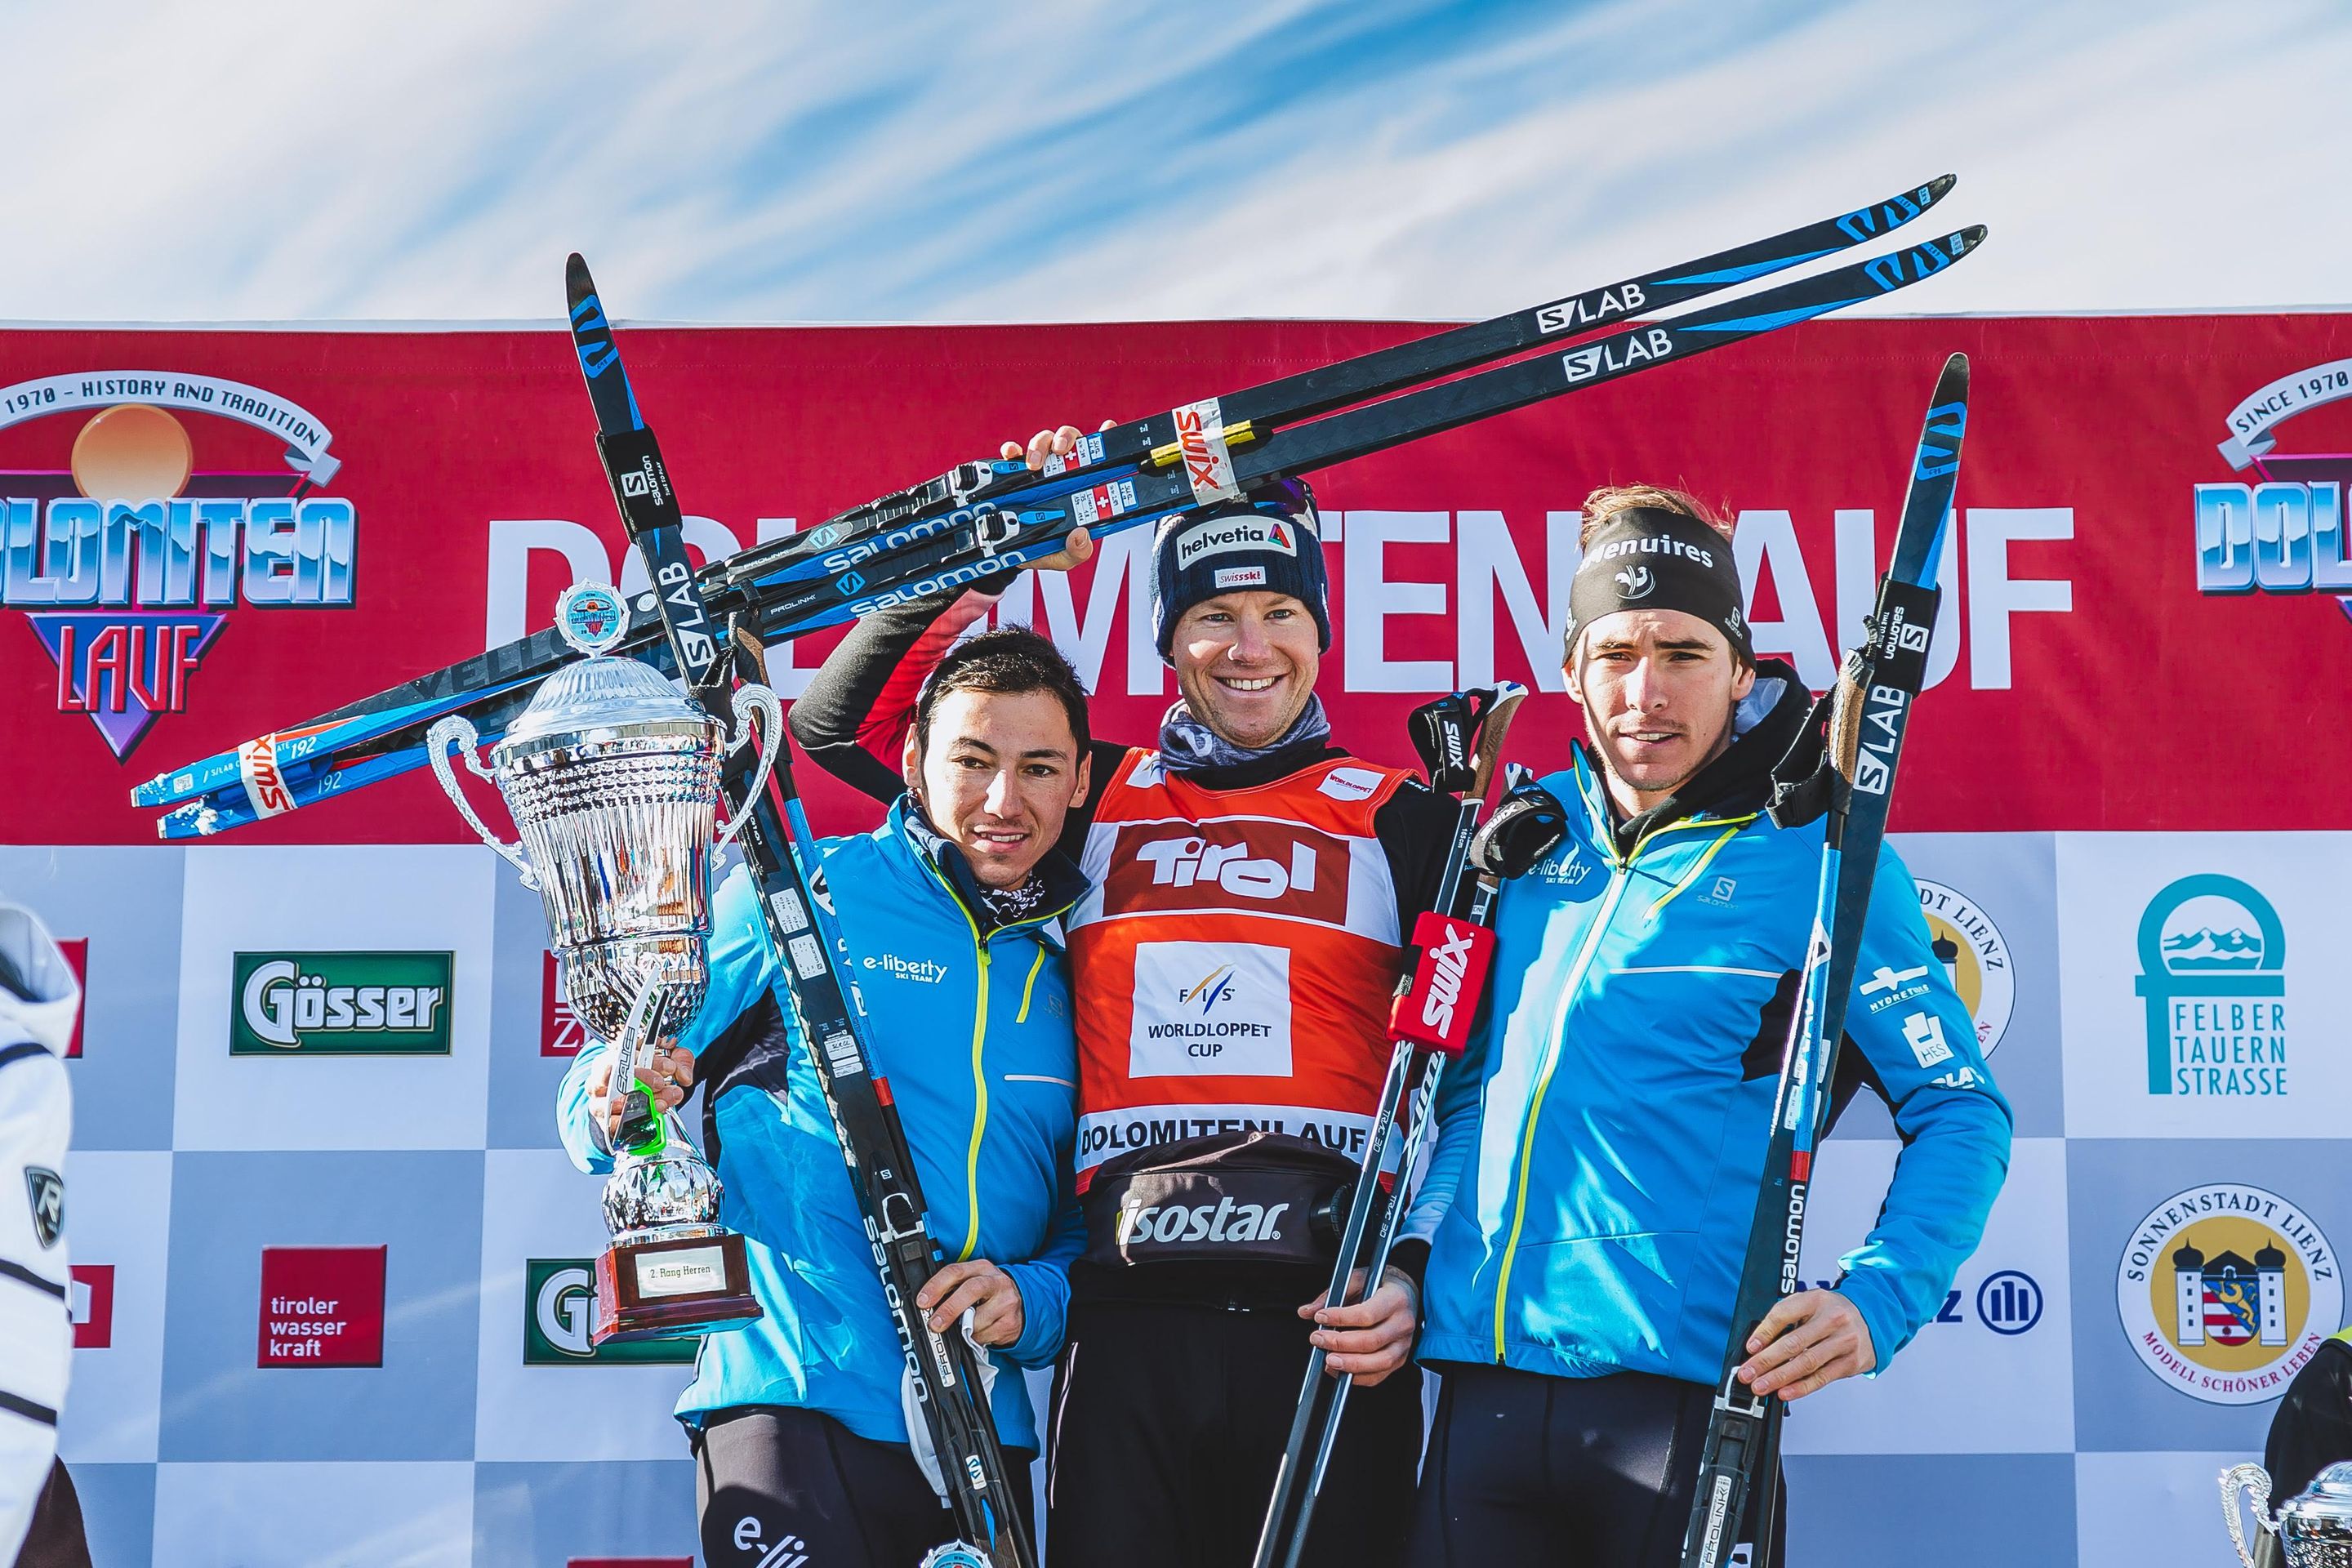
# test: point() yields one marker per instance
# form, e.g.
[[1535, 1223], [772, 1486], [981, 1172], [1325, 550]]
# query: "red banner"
[[205, 536]]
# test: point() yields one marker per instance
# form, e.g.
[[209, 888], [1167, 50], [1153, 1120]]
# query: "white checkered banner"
[[331, 1265]]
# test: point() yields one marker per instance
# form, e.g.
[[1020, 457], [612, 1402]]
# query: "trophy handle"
[[2252, 1478], [460, 730], [760, 701]]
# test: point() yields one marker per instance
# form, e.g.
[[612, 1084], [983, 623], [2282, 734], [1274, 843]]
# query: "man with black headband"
[[1232, 966], [1600, 1151]]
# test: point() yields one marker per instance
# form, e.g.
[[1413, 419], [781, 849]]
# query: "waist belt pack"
[[1225, 1197]]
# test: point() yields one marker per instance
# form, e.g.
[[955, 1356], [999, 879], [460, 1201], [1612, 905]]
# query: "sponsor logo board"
[[1976, 959], [89, 1302], [1219, 1009], [560, 1313], [340, 1004], [76, 950], [321, 1306], [561, 1031], [129, 561], [2226, 1291], [2212, 958]]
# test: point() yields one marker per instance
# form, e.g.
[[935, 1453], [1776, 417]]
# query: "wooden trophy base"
[[663, 1289]]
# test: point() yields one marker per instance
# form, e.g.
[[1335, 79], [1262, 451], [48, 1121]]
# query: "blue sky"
[[730, 161]]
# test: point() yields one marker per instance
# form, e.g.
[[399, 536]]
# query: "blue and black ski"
[[782, 857], [1861, 723], [985, 519]]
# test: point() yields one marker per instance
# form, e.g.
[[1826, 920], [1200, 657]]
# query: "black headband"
[[1649, 559]]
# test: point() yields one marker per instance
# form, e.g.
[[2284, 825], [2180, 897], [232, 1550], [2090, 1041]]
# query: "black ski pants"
[[779, 1487], [1564, 1472], [1168, 1422]]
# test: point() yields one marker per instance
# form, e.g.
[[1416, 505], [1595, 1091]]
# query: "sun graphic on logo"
[[133, 452]]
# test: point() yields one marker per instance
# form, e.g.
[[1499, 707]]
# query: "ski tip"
[[577, 284], [1967, 240], [1941, 186]]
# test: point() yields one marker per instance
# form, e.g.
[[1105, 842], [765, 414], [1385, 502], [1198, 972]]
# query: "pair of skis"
[[1861, 723], [982, 520], [1459, 737], [806, 939]]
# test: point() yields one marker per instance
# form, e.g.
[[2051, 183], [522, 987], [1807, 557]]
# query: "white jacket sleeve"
[[35, 1119]]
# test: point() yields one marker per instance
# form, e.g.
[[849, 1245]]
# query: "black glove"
[[1525, 827]]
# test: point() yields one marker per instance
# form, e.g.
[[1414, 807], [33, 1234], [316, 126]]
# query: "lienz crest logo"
[[340, 1004], [560, 1315], [126, 562], [2226, 1291], [2212, 961], [1975, 957], [2283, 533]]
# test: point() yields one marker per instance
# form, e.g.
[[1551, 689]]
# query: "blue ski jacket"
[[1601, 1147], [974, 1035]]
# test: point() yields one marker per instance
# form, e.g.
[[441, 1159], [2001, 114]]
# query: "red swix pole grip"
[[1435, 1010]]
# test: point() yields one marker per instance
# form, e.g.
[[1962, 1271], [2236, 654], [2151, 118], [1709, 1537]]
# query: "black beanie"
[[1268, 542], [1647, 558]]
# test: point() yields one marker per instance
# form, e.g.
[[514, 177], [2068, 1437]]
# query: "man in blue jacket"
[[1599, 1155], [951, 910]]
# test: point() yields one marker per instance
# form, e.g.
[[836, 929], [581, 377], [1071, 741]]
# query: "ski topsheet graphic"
[[982, 520]]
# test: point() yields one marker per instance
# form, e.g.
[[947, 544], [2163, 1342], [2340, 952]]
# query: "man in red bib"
[[1233, 964]]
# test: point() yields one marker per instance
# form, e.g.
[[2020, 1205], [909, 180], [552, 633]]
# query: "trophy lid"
[[598, 691], [2328, 1502]]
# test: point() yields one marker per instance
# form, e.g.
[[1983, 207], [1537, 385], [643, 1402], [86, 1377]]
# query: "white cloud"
[[1081, 160]]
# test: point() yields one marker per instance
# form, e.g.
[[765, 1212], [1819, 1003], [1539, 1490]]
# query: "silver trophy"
[[2314, 1529], [611, 778]]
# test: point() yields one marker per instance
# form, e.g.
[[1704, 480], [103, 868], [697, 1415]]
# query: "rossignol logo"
[[1566, 313], [46, 1190], [2227, 1291], [2213, 960], [1226, 535], [128, 563], [1615, 354], [2285, 532], [1223, 1220], [340, 1004], [560, 1318]]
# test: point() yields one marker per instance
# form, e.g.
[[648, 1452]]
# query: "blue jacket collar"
[[1064, 882]]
